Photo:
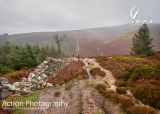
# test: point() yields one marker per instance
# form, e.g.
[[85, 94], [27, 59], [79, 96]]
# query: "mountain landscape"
[[107, 41], [96, 73], [79, 57]]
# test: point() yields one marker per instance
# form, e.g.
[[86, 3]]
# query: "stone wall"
[[35, 80]]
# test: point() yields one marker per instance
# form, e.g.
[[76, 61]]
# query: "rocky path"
[[94, 103], [82, 97], [109, 78], [92, 63], [61, 94]]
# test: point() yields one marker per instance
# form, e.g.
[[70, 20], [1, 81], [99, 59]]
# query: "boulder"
[[33, 87], [5, 93], [32, 75], [2, 79], [17, 84], [24, 79], [8, 86], [6, 89], [49, 85]]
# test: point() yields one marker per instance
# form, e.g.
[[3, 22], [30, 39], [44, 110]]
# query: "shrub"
[[131, 59], [125, 102], [74, 70], [97, 72], [102, 58], [121, 90], [4, 69], [14, 75], [148, 94], [121, 83], [138, 109], [68, 86], [143, 71], [157, 54], [101, 88], [17, 75]]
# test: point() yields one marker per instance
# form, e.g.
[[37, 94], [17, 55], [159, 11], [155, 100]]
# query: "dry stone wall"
[[36, 80]]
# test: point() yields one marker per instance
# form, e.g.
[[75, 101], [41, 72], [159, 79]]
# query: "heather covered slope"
[[114, 85], [119, 43], [139, 74], [92, 42]]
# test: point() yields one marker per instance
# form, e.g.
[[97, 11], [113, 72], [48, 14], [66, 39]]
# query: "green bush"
[[19, 57], [13, 75], [4, 69], [129, 59], [157, 54], [143, 72], [101, 58]]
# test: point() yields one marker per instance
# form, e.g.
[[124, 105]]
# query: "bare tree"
[[58, 38]]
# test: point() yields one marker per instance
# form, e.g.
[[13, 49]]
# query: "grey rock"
[[16, 84], [49, 85], [5, 93], [31, 75], [3, 80], [39, 78], [44, 84], [27, 90], [36, 80], [24, 79], [8, 86]]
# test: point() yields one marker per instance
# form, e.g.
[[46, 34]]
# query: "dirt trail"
[[82, 97], [69, 96], [92, 63], [109, 78], [94, 103]]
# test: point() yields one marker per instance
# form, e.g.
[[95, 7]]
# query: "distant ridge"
[[92, 42]]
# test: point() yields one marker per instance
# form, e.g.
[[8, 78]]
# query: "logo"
[[134, 14]]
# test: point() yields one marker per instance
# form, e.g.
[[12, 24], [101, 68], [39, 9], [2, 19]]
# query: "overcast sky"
[[21, 16]]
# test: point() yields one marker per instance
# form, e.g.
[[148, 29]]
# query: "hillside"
[[92, 42], [117, 43], [114, 85]]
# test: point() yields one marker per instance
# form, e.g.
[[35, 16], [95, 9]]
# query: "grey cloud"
[[18, 16]]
